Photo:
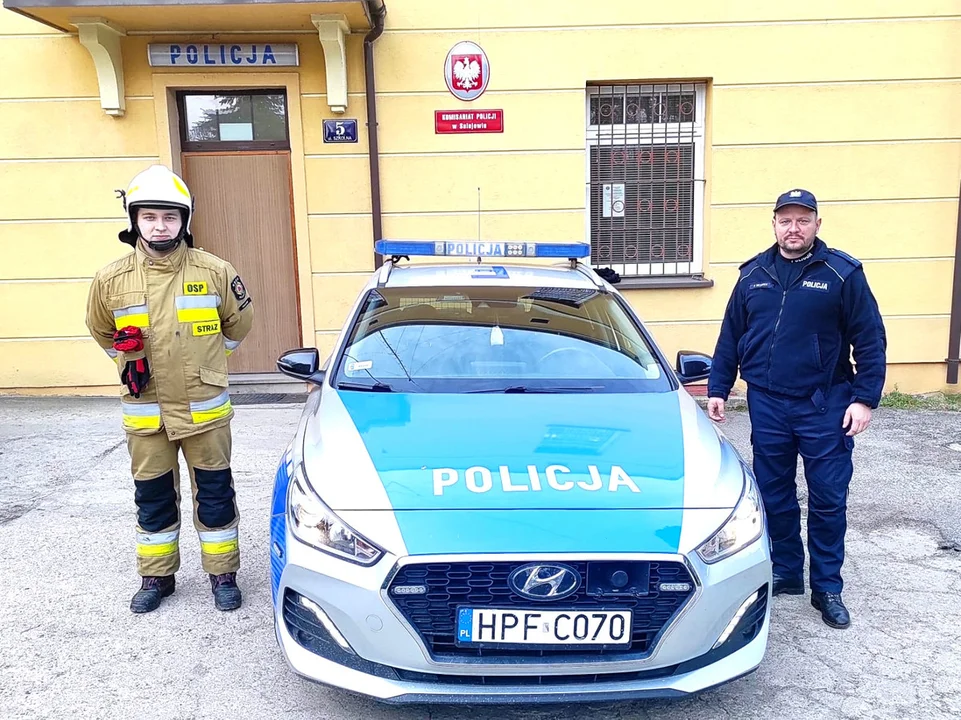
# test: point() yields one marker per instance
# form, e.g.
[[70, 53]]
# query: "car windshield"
[[496, 339]]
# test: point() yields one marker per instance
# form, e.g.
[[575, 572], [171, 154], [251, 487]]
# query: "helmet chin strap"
[[164, 245]]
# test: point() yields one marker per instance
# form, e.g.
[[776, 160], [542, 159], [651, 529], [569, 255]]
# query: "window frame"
[[230, 145], [652, 134]]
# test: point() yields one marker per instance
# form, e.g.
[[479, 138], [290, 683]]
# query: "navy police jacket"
[[799, 339]]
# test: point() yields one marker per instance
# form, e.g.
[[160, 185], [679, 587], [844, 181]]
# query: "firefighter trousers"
[[156, 473]]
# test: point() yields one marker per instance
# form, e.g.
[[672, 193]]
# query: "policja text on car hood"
[[570, 451]]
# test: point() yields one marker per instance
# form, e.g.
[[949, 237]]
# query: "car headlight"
[[315, 524], [742, 528]]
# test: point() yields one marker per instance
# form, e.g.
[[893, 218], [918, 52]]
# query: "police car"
[[500, 491]]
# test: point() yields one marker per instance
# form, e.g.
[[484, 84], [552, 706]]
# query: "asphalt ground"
[[70, 648]]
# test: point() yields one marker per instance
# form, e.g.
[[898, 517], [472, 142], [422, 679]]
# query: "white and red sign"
[[467, 71], [468, 121]]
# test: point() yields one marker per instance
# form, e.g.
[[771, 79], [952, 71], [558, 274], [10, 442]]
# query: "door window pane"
[[201, 118], [233, 118], [270, 117]]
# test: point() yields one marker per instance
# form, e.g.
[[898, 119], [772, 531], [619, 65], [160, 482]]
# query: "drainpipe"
[[378, 11], [954, 334]]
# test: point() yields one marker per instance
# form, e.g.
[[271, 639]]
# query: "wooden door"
[[243, 214]]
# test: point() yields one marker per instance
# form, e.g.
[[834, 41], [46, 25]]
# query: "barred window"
[[645, 181]]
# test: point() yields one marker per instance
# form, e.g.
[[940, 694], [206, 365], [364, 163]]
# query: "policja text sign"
[[225, 55]]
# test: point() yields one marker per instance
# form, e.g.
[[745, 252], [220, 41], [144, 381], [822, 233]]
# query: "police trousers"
[[156, 473], [781, 428]]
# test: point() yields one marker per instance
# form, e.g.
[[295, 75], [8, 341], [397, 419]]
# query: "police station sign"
[[233, 55], [468, 121], [467, 72]]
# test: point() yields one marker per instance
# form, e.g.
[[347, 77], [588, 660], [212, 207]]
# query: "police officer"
[[169, 315], [796, 313]]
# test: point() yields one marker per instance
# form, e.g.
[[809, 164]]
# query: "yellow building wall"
[[859, 101], [59, 215], [869, 120], [60, 159]]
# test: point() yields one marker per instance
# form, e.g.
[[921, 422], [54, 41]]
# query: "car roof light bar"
[[473, 249]]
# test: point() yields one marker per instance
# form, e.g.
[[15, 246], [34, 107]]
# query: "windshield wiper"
[[525, 389], [376, 387]]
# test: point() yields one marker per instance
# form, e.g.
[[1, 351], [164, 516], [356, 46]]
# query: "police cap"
[[804, 198]]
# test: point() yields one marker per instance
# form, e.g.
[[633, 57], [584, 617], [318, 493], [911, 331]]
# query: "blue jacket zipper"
[[777, 323]]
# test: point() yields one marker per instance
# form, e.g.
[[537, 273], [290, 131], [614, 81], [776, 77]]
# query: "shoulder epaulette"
[[206, 259], [748, 262], [841, 254]]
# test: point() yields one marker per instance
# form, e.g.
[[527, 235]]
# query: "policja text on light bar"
[[448, 248]]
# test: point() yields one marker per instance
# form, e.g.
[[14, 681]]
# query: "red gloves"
[[135, 376], [136, 372], [128, 339]]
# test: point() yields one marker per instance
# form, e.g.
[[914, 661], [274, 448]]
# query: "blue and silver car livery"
[[500, 491]]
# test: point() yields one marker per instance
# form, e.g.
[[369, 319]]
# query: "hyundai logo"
[[544, 581]]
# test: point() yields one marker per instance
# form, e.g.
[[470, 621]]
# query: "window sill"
[[661, 283]]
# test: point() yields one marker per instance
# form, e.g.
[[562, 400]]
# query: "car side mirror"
[[692, 366], [302, 364]]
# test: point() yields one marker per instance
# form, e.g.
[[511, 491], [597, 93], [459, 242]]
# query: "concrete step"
[[261, 388]]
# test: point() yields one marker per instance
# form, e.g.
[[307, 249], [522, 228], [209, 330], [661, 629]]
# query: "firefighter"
[[169, 315]]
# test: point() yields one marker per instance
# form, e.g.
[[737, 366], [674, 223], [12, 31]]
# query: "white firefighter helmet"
[[157, 187]]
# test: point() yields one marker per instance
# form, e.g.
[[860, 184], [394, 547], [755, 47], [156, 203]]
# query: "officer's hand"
[[858, 417], [715, 409]]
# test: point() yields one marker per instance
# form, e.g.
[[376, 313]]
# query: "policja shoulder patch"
[[237, 286]]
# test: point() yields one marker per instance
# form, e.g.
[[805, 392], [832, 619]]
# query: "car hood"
[[426, 452]]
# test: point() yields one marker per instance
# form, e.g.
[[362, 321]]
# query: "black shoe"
[[152, 590], [787, 586], [832, 609], [226, 593]]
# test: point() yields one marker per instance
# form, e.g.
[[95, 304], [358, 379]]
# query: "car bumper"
[[327, 672], [365, 645]]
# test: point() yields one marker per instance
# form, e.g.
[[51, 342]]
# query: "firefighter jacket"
[[193, 310]]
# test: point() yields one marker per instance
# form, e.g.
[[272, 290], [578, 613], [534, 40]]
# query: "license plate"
[[543, 627]]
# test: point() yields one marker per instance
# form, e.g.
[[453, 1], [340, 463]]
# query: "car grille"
[[449, 585], [536, 680]]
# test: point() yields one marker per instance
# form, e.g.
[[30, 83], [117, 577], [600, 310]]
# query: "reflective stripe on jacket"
[[193, 310]]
